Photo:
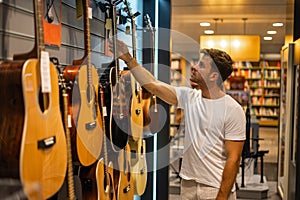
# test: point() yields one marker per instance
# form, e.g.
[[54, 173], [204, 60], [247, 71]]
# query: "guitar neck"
[[104, 114], [133, 25], [39, 34], [71, 191], [115, 32], [87, 38], [151, 29]]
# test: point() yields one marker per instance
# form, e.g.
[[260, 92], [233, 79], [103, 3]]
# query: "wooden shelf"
[[268, 122]]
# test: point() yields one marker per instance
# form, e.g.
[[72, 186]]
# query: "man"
[[214, 124]]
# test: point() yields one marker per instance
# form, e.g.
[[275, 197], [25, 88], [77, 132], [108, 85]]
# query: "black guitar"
[[117, 127]]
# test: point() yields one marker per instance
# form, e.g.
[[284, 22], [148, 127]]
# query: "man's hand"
[[122, 50]]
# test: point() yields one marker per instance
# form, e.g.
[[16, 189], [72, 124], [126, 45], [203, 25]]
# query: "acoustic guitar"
[[104, 171], [138, 165], [136, 142], [124, 186], [97, 179], [39, 150], [70, 178], [87, 129], [136, 104], [154, 114], [117, 127]]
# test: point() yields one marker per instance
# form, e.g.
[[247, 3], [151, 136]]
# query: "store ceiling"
[[226, 18]]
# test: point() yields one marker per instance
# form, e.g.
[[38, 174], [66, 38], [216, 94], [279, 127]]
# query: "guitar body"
[[89, 132], [139, 165], [105, 185], [124, 185], [11, 118], [117, 127], [154, 114], [43, 149], [134, 100]]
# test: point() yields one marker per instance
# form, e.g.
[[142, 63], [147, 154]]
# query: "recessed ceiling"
[[229, 17]]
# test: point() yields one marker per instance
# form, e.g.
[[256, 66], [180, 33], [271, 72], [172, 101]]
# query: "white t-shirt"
[[208, 123]]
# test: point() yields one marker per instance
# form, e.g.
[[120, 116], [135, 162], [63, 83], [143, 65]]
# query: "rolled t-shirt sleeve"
[[235, 125]]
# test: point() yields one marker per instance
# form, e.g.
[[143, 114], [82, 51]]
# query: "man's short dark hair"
[[222, 61]]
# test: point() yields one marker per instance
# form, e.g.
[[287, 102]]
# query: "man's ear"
[[214, 76]]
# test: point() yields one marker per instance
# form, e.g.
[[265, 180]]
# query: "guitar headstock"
[[128, 10], [148, 23]]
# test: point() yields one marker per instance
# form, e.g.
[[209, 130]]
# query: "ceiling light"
[[268, 38], [236, 43], [272, 32], [277, 24], [209, 32], [204, 24], [239, 47], [210, 43], [223, 43]]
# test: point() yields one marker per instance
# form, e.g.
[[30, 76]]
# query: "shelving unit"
[[177, 78], [178, 67], [263, 82]]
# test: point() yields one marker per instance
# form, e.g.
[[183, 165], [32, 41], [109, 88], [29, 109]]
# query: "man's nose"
[[194, 68]]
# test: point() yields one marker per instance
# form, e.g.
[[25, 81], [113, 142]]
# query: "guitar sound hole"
[[43, 100], [89, 93]]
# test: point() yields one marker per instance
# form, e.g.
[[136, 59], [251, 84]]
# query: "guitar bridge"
[[90, 126], [46, 143]]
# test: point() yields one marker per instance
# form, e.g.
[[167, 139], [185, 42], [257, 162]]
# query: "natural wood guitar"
[[138, 165], [42, 155], [136, 142], [85, 109], [124, 185], [136, 104], [154, 114], [104, 171], [71, 188]]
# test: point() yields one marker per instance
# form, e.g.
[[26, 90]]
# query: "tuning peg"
[[136, 14], [127, 30]]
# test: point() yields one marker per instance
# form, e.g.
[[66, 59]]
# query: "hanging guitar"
[[117, 127], [104, 171], [136, 142], [87, 129], [33, 134], [71, 190], [135, 91], [97, 179], [154, 114], [124, 186]]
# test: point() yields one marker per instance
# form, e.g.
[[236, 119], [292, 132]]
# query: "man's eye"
[[201, 65]]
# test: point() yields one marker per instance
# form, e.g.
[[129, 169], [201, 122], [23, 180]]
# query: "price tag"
[[45, 72], [90, 13], [69, 121], [104, 111]]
